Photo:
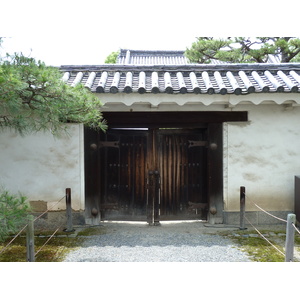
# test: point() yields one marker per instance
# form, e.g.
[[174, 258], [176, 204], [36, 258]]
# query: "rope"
[[265, 238], [296, 228], [27, 225], [47, 241], [13, 239], [265, 211], [48, 209]]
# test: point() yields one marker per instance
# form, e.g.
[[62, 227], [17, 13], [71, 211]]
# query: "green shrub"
[[13, 213]]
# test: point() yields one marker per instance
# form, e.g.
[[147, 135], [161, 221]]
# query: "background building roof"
[[166, 57], [151, 57]]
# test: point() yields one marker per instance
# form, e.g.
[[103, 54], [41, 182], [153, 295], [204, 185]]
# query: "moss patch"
[[258, 248], [54, 251], [98, 230]]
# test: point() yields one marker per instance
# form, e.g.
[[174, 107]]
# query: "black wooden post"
[[69, 211], [150, 200], [156, 197], [290, 238], [153, 198], [30, 240], [242, 207]]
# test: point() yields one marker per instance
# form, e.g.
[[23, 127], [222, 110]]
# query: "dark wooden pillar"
[[92, 175], [215, 172]]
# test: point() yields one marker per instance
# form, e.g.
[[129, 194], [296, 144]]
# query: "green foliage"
[[244, 49], [33, 97], [112, 58], [13, 213]]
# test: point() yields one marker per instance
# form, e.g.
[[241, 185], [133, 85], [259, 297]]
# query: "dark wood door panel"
[[123, 173], [183, 171]]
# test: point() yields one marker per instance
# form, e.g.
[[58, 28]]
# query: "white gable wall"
[[41, 166]]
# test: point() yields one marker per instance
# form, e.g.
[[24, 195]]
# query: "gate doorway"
[[154, 173], [178, 158]]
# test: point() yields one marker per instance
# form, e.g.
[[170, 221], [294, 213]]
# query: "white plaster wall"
[[264, 156], [42, 166]]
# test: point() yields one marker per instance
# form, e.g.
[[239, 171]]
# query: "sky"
[[85, 32]]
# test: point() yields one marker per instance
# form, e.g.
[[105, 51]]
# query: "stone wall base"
[[54, 219], [256, 217]]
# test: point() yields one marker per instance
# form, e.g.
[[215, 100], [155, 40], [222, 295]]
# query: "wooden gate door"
[[153, 174], [122, 167], [182, 161]]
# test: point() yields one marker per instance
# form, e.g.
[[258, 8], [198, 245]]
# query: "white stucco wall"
[[264, 156], [41, 166]]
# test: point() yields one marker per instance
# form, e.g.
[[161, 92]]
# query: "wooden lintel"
[[172, 119]]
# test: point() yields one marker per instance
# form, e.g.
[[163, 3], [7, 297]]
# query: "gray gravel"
[[169, 242]]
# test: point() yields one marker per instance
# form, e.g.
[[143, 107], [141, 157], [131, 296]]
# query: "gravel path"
[[169, 242]]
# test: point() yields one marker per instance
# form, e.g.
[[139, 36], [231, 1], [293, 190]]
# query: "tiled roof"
[[190, 78], [151, 57]]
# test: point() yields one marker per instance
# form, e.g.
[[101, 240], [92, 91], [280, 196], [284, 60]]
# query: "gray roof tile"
[[191, 78]]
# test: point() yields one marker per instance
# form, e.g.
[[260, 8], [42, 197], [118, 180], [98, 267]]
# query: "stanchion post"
[[242, 207], [69, 211], [30, 240], [290, 237]]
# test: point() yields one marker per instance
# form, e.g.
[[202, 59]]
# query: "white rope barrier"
[[27, 225], [265, 238], [265, 210], [296, 228], [13, 239], [47, 241]]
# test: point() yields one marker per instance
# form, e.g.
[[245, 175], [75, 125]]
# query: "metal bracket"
[[114, 144], [197, 144]]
